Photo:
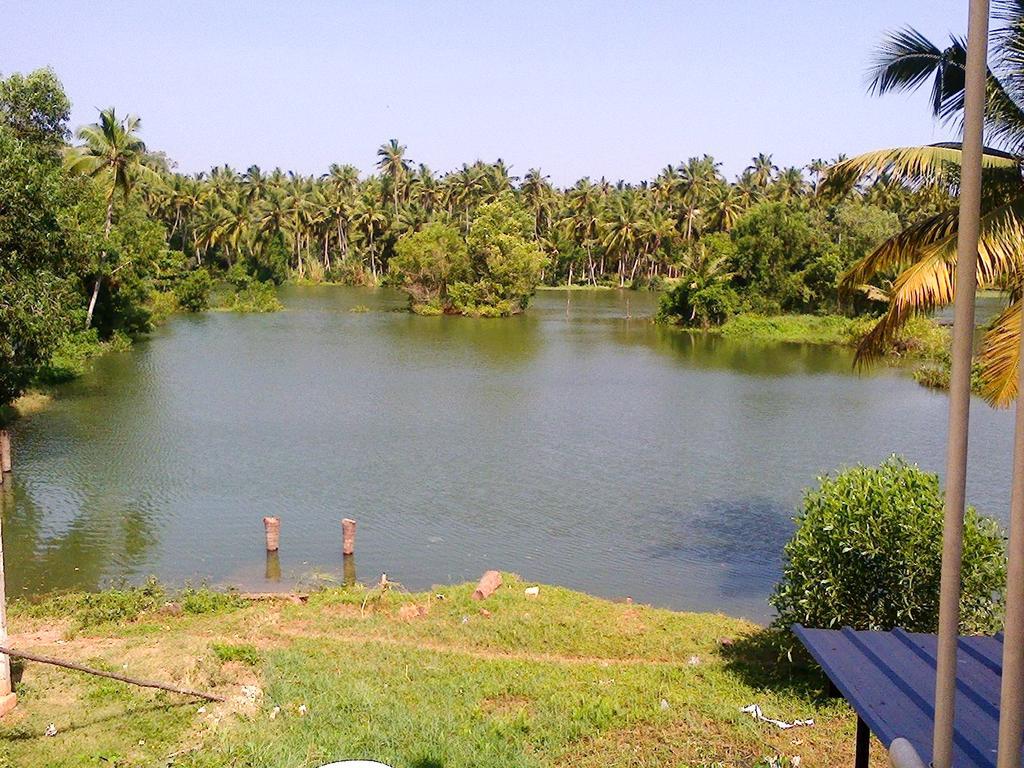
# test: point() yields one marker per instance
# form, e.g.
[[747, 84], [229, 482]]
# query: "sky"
[[611, 89]]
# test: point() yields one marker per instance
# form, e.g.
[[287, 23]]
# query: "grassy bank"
[[431, 679], [803, 329]]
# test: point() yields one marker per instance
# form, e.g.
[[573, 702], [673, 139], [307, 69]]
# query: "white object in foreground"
[[755, 711], [356, 764]]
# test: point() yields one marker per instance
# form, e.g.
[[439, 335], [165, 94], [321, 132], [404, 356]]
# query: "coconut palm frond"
[[999, 357], [1000, 247], [901, 250], [924, 285], [874, 293], [904, 61], [913, 165], [79, 160], [928, 281]]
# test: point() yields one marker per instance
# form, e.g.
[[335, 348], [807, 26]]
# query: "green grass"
[[431, 679], [805, 329], [245, 653], [921, 339]]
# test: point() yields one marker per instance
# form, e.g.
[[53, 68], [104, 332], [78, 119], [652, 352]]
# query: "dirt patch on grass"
[[631, 623], [691, 741]]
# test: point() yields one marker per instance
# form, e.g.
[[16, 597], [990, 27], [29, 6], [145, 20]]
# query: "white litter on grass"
[[51, 730], [303, 709], [664, 705], [531, 591], [694, 661], [755, 712], [201, 710], [251, 694], [275, 712]]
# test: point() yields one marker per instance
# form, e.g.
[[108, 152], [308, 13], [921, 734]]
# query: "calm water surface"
[[577, 444]]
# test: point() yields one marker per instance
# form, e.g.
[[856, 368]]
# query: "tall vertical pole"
[[960, 381], [1011, 697], [7, 697]]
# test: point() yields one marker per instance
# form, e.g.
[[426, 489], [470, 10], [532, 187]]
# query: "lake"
[[576, 444]]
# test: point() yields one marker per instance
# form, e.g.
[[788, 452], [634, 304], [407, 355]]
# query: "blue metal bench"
[[889, 680]]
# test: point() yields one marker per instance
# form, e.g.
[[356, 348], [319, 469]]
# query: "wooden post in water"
[[272, 527], [348, 536], [6, 462], [349, 570], [273, 569], [7, 696]]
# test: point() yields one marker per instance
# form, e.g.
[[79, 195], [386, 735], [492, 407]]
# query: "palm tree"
[[701, 269], [583, 221], [536, 192], [762, 170], [818, 169], [112, 153], [392, 163], [921, 260], [789, 184], [727, 207]]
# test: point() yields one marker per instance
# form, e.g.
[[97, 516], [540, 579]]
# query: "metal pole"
[[960, 381], [8, 698], [903, 755], [862, 754], [1011, 697]]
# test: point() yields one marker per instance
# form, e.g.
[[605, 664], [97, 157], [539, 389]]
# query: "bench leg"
[[863, 745]]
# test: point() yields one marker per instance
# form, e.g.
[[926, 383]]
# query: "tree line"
[[101, 235]]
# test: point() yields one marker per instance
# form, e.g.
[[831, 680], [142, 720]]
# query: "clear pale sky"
[[604, 88]]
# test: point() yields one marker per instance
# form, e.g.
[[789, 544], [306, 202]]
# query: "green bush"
[[76, 351], [89, 609], [193, 292], [702, 306], [203, 600], [867, 554], [162, 304], [255, 297]]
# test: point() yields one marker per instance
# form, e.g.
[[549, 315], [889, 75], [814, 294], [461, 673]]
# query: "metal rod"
[[5, 660], [863, 751], [960, 381], [1011, 696], [903, 755]]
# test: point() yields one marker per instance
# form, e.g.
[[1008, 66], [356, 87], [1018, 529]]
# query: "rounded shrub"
[[193, 292], [867, 554]]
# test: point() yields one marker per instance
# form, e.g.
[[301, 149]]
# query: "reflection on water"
[[576, 444]]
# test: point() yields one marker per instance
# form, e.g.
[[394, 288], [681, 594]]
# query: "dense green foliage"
[[427, 262], [60, 232], [505, 263], [111, 237], [193, 292], [781, 256], [342, 227], [867, 554]]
